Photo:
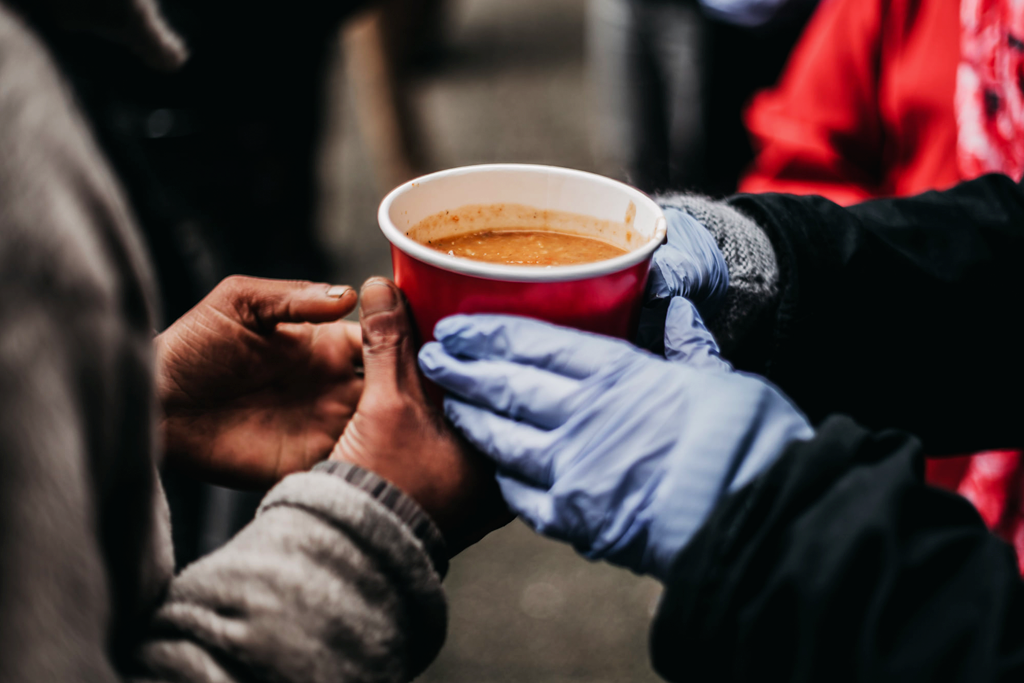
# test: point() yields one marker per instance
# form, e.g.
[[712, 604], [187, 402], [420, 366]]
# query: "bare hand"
[[397, 434], [258, 380]]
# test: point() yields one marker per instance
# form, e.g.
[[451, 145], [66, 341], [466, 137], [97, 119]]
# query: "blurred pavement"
[[510, 88]]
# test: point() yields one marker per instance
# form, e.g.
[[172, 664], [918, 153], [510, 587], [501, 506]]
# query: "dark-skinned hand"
[[399, 435], [258, 380]]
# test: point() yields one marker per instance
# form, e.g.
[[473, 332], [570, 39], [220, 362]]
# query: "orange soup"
[[521, 247]]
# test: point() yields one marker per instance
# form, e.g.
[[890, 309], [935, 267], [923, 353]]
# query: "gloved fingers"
[[676, 267], [522, 392], [516, 447], [688, 341], [669, 275], [690, 264], [523, 340], [534, 505]]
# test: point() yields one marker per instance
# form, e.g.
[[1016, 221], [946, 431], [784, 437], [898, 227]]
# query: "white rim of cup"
[[495, 271]]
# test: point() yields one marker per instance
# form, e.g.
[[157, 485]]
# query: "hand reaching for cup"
[[258, 380], [398, 435]]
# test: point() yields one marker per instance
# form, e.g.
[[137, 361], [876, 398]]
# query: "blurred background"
[[269, 153]]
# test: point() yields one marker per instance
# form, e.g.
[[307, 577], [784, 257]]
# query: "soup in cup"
[[559, 245]]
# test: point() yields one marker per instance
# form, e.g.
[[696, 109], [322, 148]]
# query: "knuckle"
[[394, 407], [384, 331], [505, 400], [234, 283], [234, 290]]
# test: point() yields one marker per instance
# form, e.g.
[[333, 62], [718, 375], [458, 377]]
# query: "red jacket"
[[865, 106]]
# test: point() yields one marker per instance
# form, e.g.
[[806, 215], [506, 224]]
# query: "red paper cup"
[[603, 297]]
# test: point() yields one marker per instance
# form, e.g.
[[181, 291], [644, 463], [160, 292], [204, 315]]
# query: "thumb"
[[263, 304], [389, 341], [688, 341]]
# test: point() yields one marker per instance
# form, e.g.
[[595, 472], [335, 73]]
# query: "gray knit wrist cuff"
[[753, 268], [395, 500]]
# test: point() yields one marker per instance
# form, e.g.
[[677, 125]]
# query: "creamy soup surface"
[[519, 247]]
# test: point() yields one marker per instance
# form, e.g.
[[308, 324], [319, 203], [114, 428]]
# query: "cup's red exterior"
[[606, 304], [603, 297]]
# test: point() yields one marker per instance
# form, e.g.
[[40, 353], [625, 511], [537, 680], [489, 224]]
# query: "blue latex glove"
[[689, 265], [601, 444]]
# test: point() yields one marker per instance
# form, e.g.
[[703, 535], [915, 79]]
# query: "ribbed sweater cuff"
[[753, 268], [395, 500]]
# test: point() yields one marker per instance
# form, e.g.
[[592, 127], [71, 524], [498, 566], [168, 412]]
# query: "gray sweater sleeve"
[[328, 584], [334, 581]]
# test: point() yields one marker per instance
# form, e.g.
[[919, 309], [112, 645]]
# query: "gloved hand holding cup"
[[689, 265], [606, 446]]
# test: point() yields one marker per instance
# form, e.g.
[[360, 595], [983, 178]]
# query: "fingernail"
[[378, 297], [338, 291]]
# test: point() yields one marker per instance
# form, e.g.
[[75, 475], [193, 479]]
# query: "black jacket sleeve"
[[840, 564], [901, 312]]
